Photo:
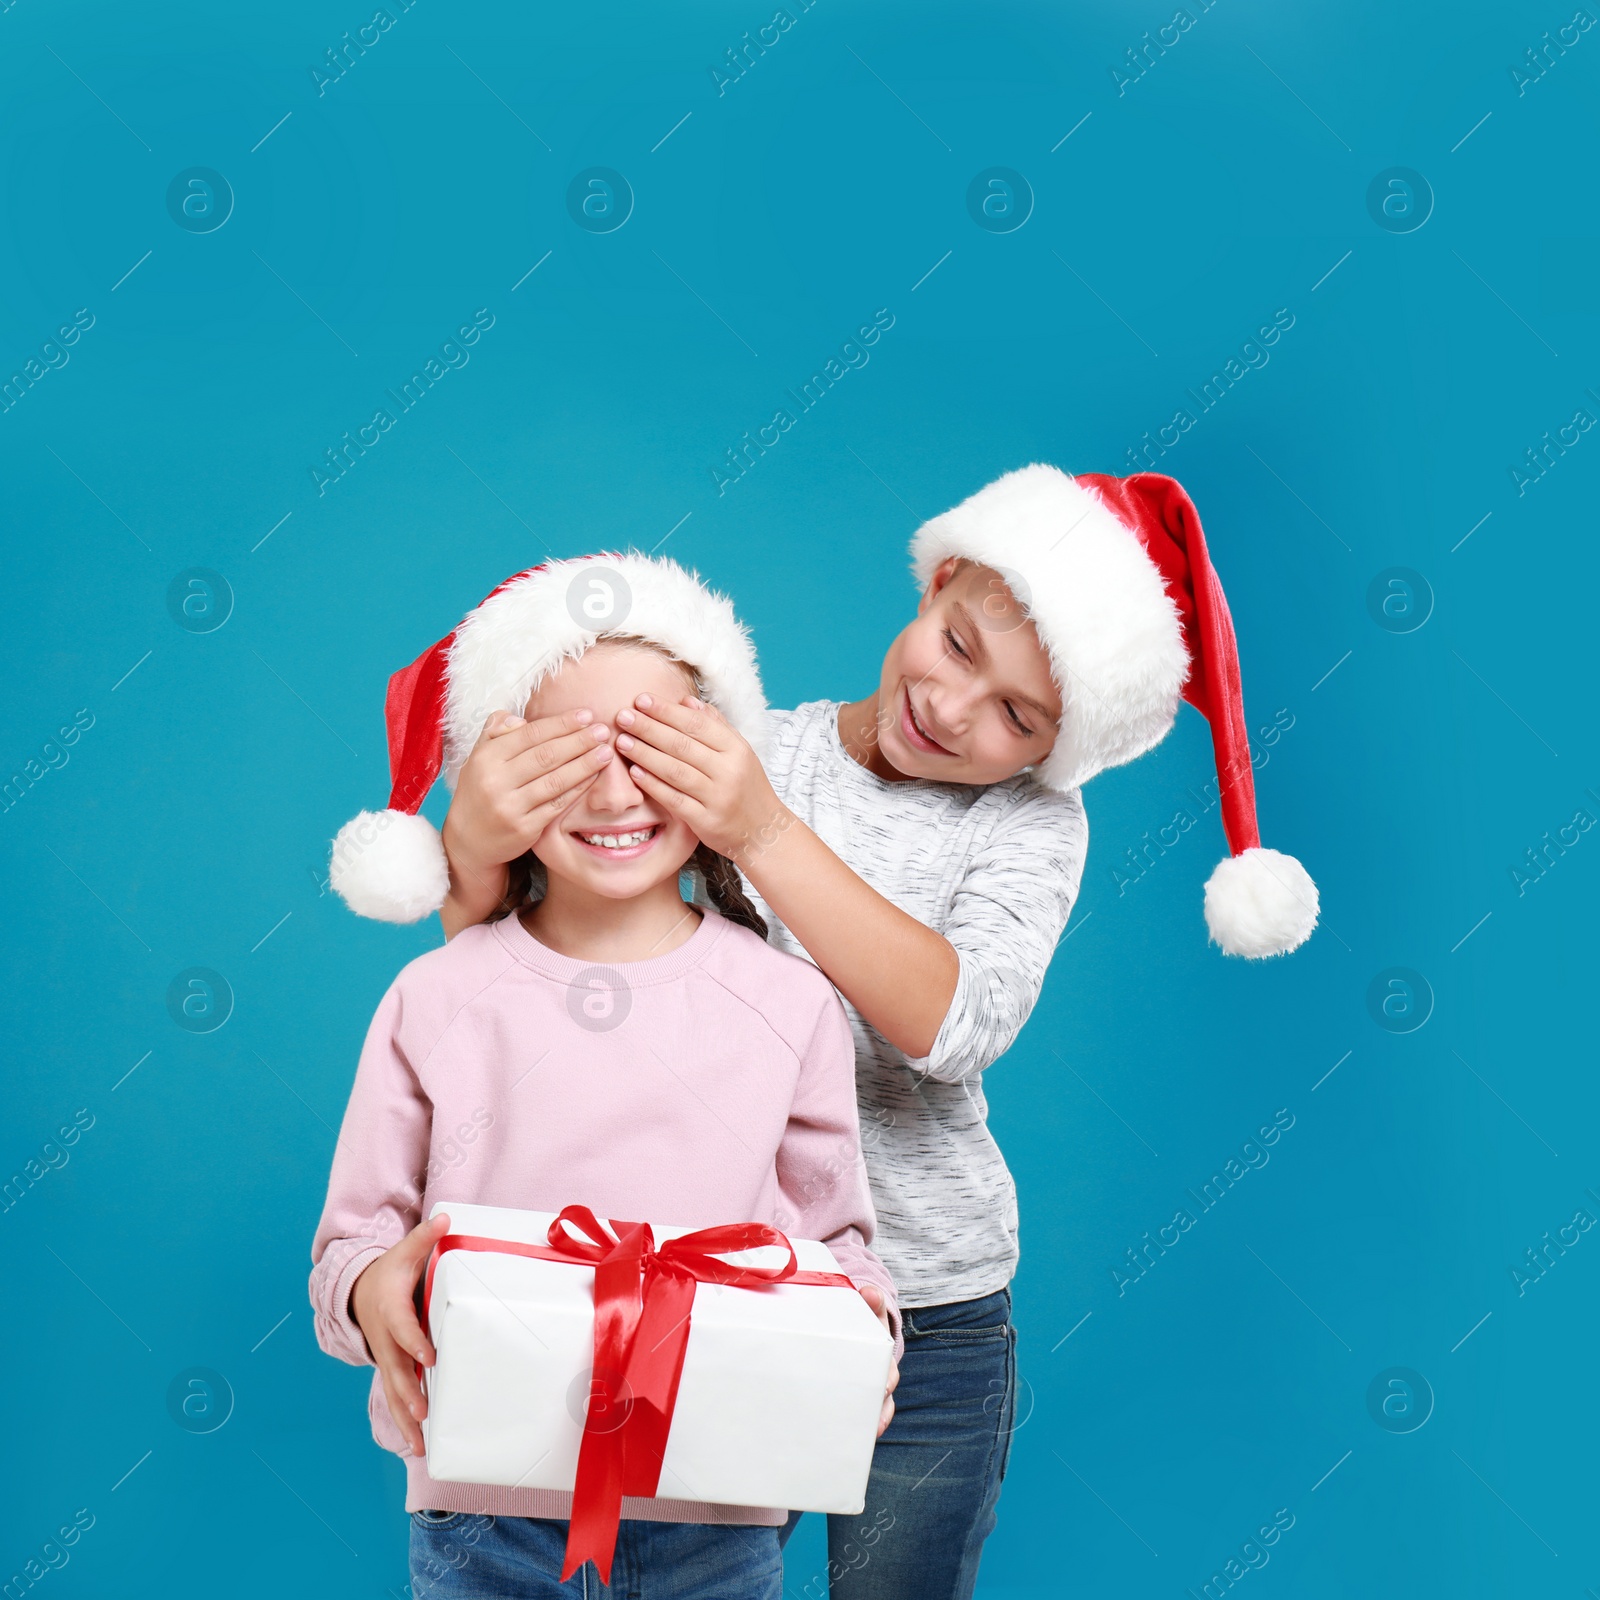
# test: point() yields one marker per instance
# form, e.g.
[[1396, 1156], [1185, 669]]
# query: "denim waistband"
[[989, 1311]]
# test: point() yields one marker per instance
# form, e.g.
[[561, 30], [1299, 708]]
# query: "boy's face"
[[613, 840], [966, 694]]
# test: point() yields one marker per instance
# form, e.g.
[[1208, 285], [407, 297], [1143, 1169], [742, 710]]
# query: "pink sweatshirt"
[[726, 1093]]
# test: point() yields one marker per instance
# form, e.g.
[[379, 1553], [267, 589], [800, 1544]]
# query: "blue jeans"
[[937, 1470], [456, 1555]]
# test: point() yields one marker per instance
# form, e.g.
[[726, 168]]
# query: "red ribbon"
[[643, 1298]]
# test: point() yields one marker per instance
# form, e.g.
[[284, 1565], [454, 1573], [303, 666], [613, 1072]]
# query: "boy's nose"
[[951, 707]]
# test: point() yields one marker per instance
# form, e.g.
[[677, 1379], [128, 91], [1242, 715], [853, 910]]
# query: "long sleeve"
[[373, 1195], [1005, 921], [821, 1173], [725, 1092]]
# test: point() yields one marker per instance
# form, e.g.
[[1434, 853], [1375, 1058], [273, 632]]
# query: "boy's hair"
[[724, 885]]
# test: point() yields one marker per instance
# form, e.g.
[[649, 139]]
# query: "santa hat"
[[1113, 573], [391, 864]]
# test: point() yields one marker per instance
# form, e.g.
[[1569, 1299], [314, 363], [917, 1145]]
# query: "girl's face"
[[613, 840], [966, 694]]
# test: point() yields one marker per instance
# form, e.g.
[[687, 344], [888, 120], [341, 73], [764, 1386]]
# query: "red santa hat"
[[391, 864], [1113, 573]]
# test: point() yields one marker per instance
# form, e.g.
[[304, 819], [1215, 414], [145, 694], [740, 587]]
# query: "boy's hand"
[[519, 778], [382, 1305], [873, 1295], [687, 759]]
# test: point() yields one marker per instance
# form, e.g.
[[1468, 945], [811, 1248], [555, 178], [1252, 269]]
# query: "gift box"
[[778, 1380]]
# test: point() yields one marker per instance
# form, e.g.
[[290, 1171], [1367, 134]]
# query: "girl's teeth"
[[617, 841]]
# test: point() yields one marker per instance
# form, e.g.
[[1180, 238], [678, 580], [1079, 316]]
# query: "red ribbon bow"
[[643, 1299]]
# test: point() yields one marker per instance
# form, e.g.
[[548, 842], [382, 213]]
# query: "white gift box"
[[778, 1403]]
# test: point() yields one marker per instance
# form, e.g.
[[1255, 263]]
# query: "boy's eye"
[[954, 643], [1017, 723]]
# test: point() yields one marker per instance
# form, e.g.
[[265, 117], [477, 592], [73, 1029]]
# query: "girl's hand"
[[519, 778], [687, 759], [873, 1295], [382, 1305]]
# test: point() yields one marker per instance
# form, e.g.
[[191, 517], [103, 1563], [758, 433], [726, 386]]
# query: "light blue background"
[[190, 825]]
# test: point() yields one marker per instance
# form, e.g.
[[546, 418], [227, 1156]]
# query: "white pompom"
[[390, 865], [1261, 903]]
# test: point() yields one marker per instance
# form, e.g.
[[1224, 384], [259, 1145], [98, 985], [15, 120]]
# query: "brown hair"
[[724, 888], [724, 885]]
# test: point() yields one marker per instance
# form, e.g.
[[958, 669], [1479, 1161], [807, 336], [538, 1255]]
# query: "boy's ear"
[[942, 574]]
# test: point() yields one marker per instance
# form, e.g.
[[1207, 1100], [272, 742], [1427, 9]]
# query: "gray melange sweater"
[[995, 870]]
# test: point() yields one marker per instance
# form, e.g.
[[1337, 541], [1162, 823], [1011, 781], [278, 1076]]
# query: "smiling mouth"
[[619, 842], [921, 739]]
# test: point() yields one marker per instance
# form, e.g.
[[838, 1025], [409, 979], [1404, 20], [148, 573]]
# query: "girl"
[[923, 845], [606, 1045]]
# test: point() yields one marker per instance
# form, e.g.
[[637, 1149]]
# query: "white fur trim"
[[1261, 903], [506, 648], [1097, 600], [390, 865]]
